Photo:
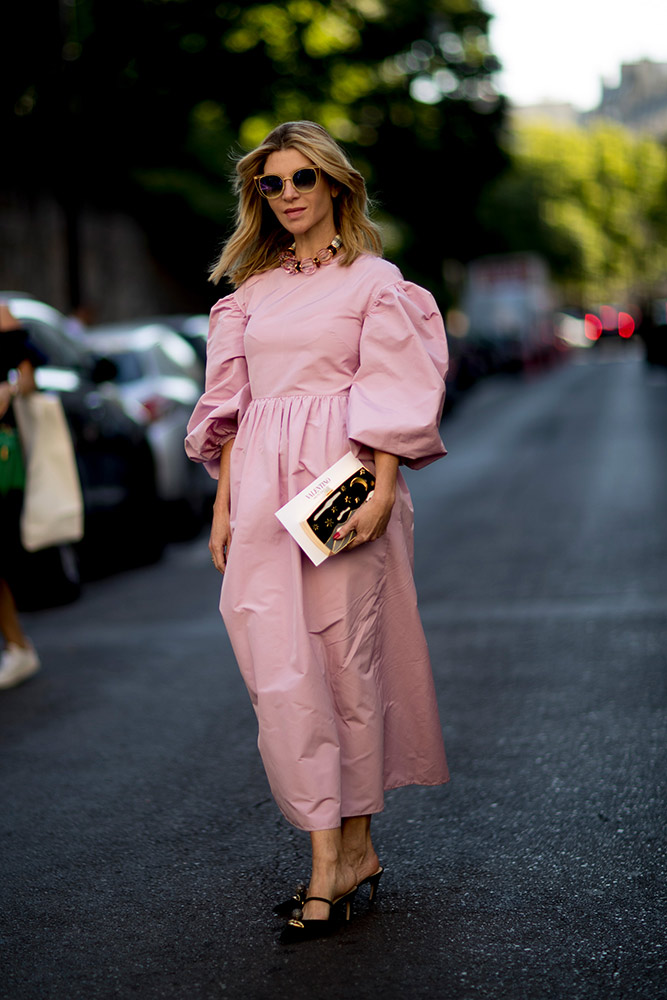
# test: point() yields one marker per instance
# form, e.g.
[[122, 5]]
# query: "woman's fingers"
[[219, 548], [219, 560], [345, 529], [220, 538], [368, 523]]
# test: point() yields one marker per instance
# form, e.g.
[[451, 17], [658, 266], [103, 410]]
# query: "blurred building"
[[552, 112], [639, 102]]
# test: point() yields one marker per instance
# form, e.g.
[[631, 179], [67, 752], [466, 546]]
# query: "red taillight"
[[626, 325], [592, 326]]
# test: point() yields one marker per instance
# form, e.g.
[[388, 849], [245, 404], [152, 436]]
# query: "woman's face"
[[302, 215]]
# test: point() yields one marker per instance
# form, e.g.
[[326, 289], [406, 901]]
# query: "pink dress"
[[303, 368]]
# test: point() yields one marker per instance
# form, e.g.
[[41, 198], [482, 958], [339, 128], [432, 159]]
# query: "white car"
[[160, 378]]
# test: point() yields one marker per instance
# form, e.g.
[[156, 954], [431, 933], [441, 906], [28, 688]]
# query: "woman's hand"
[[221, 538], [371, 519], [221, 531], [369, 522]]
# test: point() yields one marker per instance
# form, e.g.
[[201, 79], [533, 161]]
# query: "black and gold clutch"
[[335, 509], [314, 515]]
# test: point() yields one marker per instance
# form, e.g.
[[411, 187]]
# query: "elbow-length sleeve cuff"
[[397, 395], [216, 416]]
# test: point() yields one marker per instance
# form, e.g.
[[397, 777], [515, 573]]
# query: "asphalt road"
[[141, 852]]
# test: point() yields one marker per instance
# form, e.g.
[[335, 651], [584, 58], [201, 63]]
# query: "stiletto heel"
[[348, 899], [373, 881]]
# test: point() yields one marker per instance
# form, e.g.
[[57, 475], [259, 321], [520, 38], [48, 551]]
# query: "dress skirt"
[[334, 657]]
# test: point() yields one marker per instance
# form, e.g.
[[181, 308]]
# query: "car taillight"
[[626, 325], [592, 326]]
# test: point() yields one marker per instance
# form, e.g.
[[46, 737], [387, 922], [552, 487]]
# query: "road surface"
[[141, 850]]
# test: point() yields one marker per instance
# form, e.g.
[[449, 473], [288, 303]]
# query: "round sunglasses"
[[303, 181]]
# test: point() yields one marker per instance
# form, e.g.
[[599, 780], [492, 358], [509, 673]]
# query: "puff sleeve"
[[218, 413], [398, 392]]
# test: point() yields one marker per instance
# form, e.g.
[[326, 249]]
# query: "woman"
[[321, 349], [17, 375]]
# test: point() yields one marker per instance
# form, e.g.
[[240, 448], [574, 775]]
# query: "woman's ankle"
[[357, 843], [362, 858]]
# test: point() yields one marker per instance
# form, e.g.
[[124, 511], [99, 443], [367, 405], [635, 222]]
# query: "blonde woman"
[[322, 348]]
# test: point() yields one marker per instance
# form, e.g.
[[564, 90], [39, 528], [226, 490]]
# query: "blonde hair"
[[259, 237]]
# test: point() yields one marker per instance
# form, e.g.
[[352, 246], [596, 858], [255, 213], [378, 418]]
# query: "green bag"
[[12, 469]]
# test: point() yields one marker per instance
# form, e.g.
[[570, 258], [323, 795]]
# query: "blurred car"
[[605, 322], [508, 301], [192, 328], [160, 378], [653, 331], [114, 461]]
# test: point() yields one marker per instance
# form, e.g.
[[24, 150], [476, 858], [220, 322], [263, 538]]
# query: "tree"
[[593, 202], [145, 100]]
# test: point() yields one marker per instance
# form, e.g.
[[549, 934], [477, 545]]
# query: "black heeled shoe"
[[373, 881], [295, 902], [299, 929]]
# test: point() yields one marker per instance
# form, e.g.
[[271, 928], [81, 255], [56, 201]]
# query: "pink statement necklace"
[[308, 265]]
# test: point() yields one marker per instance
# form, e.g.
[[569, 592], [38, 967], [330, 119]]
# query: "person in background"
[[79, 321], [18, 358]]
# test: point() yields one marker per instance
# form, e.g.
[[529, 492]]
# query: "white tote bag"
[[52, 504]]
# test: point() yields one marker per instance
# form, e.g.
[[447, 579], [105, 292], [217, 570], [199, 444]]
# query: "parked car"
[[114, 461], [193, 328], [160, 378], [652, 331]]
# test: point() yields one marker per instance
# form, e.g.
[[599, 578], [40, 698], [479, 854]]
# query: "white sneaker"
[[17, 664]]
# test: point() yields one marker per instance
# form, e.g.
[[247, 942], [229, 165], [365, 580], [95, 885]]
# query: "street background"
[[142, 853], [139, 109], [141, 850]]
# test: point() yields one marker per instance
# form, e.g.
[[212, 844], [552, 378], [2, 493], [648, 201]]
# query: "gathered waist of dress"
[[301, 395]]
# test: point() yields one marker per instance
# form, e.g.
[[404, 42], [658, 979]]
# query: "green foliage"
[[593, 202], [147, 102]]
